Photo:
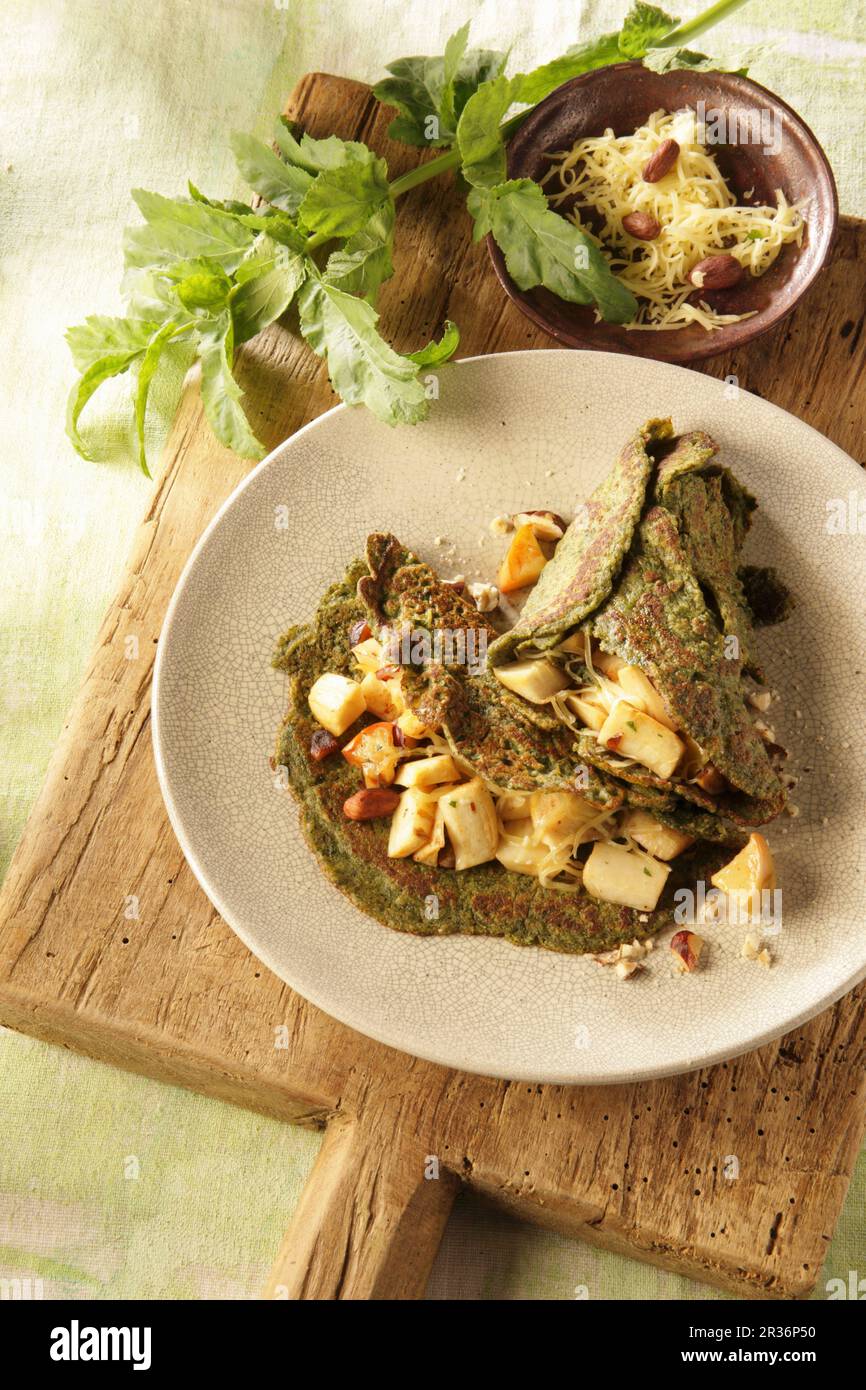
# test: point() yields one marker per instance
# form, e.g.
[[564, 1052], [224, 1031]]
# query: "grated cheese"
[[693, 205]]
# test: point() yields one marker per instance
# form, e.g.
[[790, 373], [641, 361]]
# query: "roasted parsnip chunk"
[[427, 772], [659, 840], [412, 823], [747, 875], [635, 735], [470, 820], [558, 816], [534, 680], [589, 709], [336, 702], [643, 695], [382, 698], [520, 855], [619, 875]]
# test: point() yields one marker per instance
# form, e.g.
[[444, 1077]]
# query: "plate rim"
[[551, 1076]]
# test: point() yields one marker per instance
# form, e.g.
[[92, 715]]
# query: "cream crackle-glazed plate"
[[507, 434]]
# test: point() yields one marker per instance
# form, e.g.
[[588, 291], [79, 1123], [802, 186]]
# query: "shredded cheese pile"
[[695, 209]]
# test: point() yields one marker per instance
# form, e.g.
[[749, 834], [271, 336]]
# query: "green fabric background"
[[112, 1185]]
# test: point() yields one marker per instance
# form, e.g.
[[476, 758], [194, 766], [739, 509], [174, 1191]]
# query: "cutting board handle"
[[370, 1218]]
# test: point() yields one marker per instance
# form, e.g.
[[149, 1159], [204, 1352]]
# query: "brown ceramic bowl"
[[623, 96]]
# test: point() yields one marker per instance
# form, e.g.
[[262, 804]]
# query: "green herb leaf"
[[147, 367], [479, 137], [221, 395], [177, 229], [100, 336], [542, 248], [364, 262], [642, 27], [266, 286], [341, 201], [672, 59], [316, 155], [100, 370], [281, 184], [430, 93], [361, 365], [434, 354], [583, 57], [204, 289]]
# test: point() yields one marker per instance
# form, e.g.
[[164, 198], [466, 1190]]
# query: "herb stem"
[[696, 26]]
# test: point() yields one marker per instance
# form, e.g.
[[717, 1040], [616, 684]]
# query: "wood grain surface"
[[172, 993]]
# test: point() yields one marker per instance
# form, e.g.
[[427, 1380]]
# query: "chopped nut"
[[546, 525], [686, 947], [765, 959], [501, 525], [750, 947], [791, 809], [371, 803], [760, 700], [626, 968], [485, 597]]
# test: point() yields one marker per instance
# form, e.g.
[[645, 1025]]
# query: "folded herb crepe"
[[650, 573]]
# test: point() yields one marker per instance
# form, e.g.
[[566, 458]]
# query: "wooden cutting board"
[[645, 1169]]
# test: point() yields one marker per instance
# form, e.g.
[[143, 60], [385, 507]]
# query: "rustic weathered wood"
[[174, 994]]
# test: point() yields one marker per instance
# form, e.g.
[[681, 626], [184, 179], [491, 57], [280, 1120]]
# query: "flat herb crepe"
[[657, 581], [488, 900]]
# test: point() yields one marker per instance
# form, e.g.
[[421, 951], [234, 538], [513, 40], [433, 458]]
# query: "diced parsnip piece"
[[608, 664], [470, 819], [382, 698], [659, 840], [426, 772], [644, 695], [336, 702], [535, 680], [412, 823], [635, 735], [523, 563], [369, 655], [430, 852], [412, 726], [575, 643], [589, 710], [521, 856], [748, 874], [513, 806], [619, 875], [558, 816]]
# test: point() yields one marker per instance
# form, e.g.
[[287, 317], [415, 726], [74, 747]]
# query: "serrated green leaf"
[[341, 201], [363, 368], [316, 155], [283, 185], [583, 57], [673, 59], [455, 51], [266, 286], [204, 289], [147, 367], [113, 364], [177, 230], [479, 136], [100, 336], [642, 28], [221, 395], [429, 105], [364, 262], [543, 248], [435, 353]]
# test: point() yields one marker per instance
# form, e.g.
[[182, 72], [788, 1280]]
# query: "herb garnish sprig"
[[213, 274]]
